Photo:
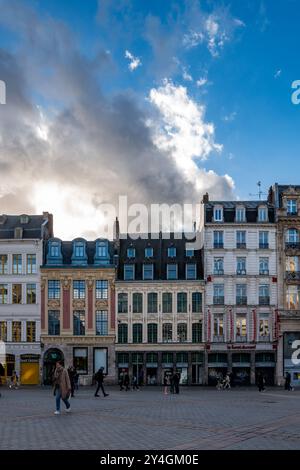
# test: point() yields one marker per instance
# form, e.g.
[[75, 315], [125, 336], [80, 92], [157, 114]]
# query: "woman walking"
[[62, 387]]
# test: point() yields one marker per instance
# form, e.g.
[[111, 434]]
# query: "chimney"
[[205, 199], [117, 234], [47, 228]]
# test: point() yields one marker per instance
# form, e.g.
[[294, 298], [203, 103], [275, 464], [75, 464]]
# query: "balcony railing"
[[241, 272], [264, 338], [264, 300], [264, 272], [241, 245], [218, 245], [263, 246], [291, 213], [241, 338], [292, 245], [218, 300], [241, 300], [292, 275], [218, 272], [218, 338]]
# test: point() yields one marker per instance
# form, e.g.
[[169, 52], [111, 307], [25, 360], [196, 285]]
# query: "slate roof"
[[229, 208], [31, 230]]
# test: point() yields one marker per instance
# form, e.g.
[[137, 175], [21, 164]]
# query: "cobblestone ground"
[[197, 418]]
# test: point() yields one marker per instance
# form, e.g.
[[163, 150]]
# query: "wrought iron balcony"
[[218, 272], [292, 275], [264, 338], [241, 245], [241, 300], [218, 339], [218, 300], [218, 245], [264, 272], [241, 272], [264, 300], [263, 246], [292, 245]]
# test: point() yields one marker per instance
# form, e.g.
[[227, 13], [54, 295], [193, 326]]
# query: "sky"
[[161, 101]]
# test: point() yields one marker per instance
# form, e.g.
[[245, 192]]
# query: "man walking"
[[99, 377], [62, 387], [176, 380], [287, 385]]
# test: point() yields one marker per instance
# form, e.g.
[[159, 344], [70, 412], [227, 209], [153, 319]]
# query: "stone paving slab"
[[196, 419]]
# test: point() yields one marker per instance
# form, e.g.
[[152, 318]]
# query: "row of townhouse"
[[157, 303]]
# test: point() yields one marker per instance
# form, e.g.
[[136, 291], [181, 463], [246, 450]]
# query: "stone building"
[[159, 299], [78, 307], [21, 254], [241, 289]]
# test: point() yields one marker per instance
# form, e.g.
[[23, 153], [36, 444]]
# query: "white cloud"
[[134, 63], [186, 75], [230, 117], [201, 81]]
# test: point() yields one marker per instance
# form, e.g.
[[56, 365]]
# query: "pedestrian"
[[261, 382], [14, 381], [141, 378], [287, 385], [121, 381], [99, 377], [176, 380], [62, 387], [227, 382], [166, 383], [71, 372], [134, 383], [126, 382]]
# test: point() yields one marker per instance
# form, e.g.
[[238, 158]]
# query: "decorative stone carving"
[[54, 303], [79, 304], [90, 283], [66, 283], [101, 304]]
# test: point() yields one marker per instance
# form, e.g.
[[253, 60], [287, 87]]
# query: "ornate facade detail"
[[101, 304], [78, 304], [54, 303]]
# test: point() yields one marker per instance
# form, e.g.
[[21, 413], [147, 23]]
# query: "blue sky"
[[236, 61]]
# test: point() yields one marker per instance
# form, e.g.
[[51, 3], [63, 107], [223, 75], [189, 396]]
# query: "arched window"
[[54, 254], [79, 256]]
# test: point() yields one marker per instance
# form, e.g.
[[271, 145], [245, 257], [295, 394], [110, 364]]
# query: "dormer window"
[[172, 252], [291, 207], [189, 253], [102, 255], [79, 256], [218, 214], [240, 214], [24, 219], [102, 250], [54, 250], [148, 252], [131, 252], [54, 255], [79, 250], [262, 214]]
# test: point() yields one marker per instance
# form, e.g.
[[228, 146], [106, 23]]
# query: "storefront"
[[241, 368], [123, 364], [217, 367], [265, 365], [151, 368], [50, 358], [30, 369], [138, 368], [197, 368]]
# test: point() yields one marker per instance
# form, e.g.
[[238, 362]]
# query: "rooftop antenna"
[[260, 192]]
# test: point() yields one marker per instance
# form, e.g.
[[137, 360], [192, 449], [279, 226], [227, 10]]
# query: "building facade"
[[78, 307], [241, 289], [159, 299], [21, 255], [287, 203]]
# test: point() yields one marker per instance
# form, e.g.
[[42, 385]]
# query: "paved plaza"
[[197, 418]]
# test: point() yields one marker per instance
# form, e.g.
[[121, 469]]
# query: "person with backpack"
[[99, 378]]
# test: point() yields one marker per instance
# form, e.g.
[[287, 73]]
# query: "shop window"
[[80, 360]]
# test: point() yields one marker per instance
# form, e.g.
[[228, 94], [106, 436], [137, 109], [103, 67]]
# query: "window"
[[102, 249], [292, 236], [182, 357], [291, 207], [123, 358], [219, 266], [292, 264], [171, 272], [196, 302], [17, 293], [79, 250], [78, 289], [262, 214], [264, 330], [191, 271], [241, 239], [263, 240], [101, 289], [292, 297], [80, 360], [218, 294], [30, 332], [167, 332], [189, 253], [167, 358], [3, 264], [101, 323], [152, 358], [218, 327], [240, 214], [147, 272], [17, 264], [54, 250], [16, 331], [182, 332], [197, 332], [53, 289], [241, 327], [218, 239], [128, 272], [218, 214], [152, 332], [137, 302], [148, 252], [53, 322], [30, 293], [172, 252], [137, 333], [79, 323], [152, 302], [31, 264], [182, 302], [167, 302], [241, 294], [3, 331], [122, 303], [3, 293], [241, 266], [264, 266], [264, 294], [123, 333], [131, 252]]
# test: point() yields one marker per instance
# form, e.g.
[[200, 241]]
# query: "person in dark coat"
[[71, 372], [261, 383], [126, 382], [176, 380], [99, 377], [287, 385]]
